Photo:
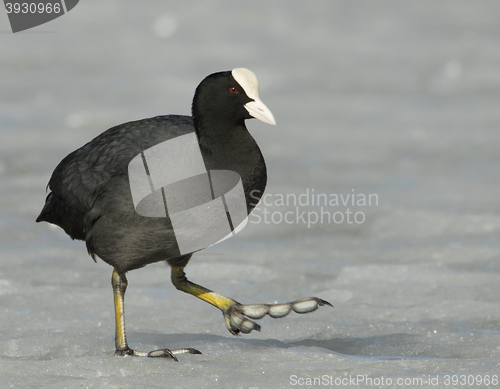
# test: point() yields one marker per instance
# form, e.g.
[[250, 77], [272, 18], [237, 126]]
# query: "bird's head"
[[230, 97]]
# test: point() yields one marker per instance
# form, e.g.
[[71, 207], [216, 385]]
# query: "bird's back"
[[84, 175]]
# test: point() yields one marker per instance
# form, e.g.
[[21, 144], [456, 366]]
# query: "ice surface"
[[397, 99]]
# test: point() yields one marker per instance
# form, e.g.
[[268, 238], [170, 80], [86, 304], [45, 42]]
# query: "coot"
[[92, 195]]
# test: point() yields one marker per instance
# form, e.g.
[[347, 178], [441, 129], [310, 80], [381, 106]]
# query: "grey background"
[[398, 99]]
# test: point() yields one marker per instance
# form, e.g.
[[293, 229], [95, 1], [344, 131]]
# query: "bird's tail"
[[45, 214], [57, 212]]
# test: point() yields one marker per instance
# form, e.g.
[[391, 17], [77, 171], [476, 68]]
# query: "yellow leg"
[[182, 283], [235, 314], [119, 284]]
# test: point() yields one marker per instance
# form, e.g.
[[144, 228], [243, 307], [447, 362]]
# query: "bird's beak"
[[259, 111]]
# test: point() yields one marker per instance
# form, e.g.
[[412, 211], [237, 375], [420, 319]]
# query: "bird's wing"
[[83, 174]]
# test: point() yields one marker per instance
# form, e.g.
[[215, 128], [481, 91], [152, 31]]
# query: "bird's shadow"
[[383, 347]]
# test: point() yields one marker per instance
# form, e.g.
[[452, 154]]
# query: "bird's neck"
[[216, 136], [229, 146]]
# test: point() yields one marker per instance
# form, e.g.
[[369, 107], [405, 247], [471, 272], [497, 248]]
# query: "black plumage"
[[91, 198]]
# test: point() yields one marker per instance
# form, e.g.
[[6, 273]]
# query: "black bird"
[[91, 197]]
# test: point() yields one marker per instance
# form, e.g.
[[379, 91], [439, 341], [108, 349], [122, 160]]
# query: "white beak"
[[259, 111], [250, 85]]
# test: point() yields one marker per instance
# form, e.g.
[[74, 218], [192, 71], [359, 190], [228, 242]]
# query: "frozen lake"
[[398, 100]]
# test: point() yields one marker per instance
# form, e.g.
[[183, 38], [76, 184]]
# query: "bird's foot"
[[237, 316], [161, 353]]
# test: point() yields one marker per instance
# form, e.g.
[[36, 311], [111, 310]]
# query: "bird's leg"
[[119, 283], [236, 315]]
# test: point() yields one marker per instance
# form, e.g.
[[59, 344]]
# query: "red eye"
[[233, 90]]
